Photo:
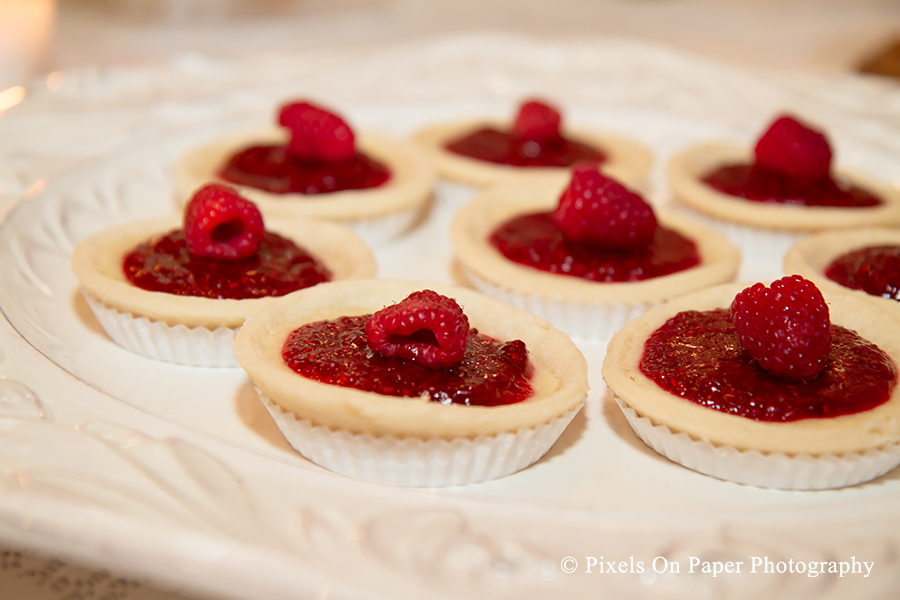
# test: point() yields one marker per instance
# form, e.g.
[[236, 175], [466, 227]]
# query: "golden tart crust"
[[849, 433], [627, 160], [686, 169], [475, 222], [409, 187], [97, 264], [813, 254], [560, 370]]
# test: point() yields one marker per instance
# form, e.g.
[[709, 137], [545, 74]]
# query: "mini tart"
[[761, 229], [803, 454], [627, 160], [97, 264], [812, 255], [377, 214], [686, 170], [579, 307], [411, 441]]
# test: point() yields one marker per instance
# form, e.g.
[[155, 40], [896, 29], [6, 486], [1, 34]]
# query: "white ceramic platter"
[[177, 474]]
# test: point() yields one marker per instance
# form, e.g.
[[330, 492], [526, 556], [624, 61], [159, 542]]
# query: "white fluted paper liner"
[[762, 249], [583, 320], [411, 462], [775, 470], [179, 344], [453, 193], [383, 228]]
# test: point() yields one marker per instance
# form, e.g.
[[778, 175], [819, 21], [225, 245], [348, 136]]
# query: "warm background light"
[[10, 97], [26, 30]]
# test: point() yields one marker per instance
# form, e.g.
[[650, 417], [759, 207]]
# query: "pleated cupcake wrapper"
[[453, 194], [383, 228], [413, 462], [582, 320], [179, 344], [775, 470], [762, 250]]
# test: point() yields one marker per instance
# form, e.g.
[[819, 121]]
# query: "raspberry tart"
[[768, 386], [178, 291], [589, 259], [315, 165], [535, 146], [863, 262], [390, 381], [766, 198]]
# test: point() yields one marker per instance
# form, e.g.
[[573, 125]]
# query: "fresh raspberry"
[[792, 148], [426, 327], [218, 223], [536, 122], [598, 209], [316, 134], [785, 327]]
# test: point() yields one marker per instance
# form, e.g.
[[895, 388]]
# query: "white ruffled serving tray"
[[178, 475]]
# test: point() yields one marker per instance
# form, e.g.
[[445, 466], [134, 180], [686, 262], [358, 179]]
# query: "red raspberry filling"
[[874, 270], [164, 264], [699, 357], [319, 158], [272, 169], [491, 373], [533, 141], [758, 184], [534, 240], [495, 146], [426, 327], [600, 210], [785, 327]]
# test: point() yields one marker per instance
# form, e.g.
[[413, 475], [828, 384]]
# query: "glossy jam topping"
[[164, 264], [697, 355], [759, 184], [535, 241], [874, 270], [272, 169], [491, 373], [492, 145]]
